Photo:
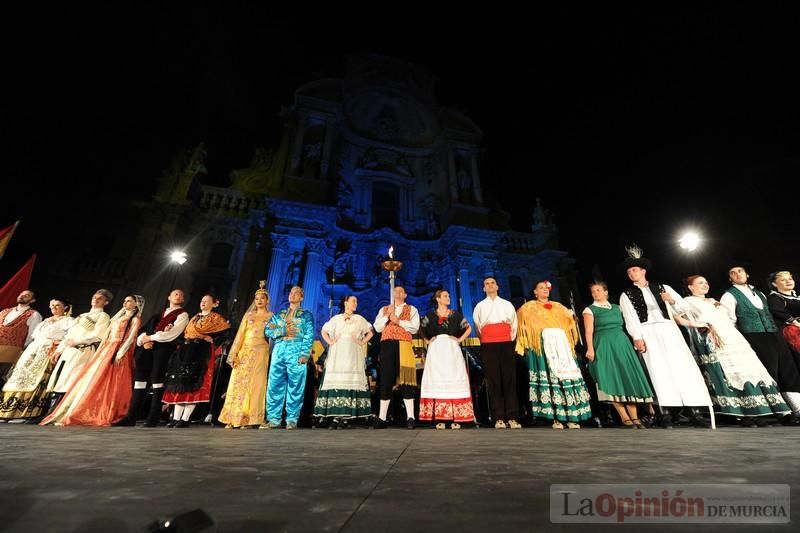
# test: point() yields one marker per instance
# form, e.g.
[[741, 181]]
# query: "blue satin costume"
[[287, 377]]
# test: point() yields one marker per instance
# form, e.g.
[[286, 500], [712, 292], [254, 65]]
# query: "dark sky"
[[676, 117]]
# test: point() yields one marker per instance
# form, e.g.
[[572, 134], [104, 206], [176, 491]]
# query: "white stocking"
[[409, 407], [793, 399], [384, 409], [188, 409]]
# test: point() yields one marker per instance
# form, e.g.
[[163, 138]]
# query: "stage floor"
[[122, 479]]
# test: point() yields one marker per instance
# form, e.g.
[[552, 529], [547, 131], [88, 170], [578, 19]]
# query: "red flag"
[[5, 237], [18, 283]]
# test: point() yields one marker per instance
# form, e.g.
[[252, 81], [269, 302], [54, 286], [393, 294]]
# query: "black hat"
[[635, 259], [746, 264]]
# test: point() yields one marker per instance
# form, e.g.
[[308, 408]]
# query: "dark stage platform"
[[122, 479]]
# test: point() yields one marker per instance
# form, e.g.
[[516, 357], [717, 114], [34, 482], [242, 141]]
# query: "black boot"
[[155, 408], [137, 399], [55, 397]]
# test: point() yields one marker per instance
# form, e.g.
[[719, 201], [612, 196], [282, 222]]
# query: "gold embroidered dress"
[[24, 394], [245, 400]]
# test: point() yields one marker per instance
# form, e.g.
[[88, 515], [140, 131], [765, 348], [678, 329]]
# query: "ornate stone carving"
[[463, 262], [315, 246], [176, 181], [280, 241], [293, 270], [379, 159]]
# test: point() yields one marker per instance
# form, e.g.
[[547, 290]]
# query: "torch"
[[391, 266]]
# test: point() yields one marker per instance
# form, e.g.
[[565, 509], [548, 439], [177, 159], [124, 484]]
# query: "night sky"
[[677, 118]]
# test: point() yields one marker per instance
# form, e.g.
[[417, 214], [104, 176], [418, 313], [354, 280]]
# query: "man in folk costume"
[[155, 345], [78, 346], [293, 332], [16, 330], [397, 323], [496, 323], [648, 309], [748, 308]]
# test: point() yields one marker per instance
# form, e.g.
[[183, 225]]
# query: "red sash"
[[500, 332]]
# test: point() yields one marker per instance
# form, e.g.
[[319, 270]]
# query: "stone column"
[[326, 150], [361, 268], [314, 277], [452, 285], [237, 260], [451, 160], [297, 149], [463, 263], [277, 270], [476, 180]]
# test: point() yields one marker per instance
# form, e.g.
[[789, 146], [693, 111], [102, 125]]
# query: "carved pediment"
[[381, 160], [389, 117]]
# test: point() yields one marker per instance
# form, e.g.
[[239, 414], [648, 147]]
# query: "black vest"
[[636, 297]]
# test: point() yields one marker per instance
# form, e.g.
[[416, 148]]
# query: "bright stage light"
[[178, 257], [690, 241]]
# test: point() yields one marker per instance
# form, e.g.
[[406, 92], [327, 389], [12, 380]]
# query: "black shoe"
[[183, 424], [699, 421], [154, 418], [124, 422], [647, 421], [380, 424], [747, 423], [138, 397], [172, 423], [761, 422], [666, 421], [342, 424], [790, 420], [411, 423], [334, 424], [55, 399]]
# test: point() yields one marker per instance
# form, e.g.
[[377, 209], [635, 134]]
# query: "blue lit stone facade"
[[363, 162]]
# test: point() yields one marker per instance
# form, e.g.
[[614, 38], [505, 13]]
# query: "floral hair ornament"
[[548, 284], [262, 288]]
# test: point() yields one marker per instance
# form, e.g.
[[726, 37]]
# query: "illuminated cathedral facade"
[[365, 162]]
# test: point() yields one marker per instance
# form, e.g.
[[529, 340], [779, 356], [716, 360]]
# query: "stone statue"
[[540, 215], [464, 187], [293, 272], [176, 181], [432, 279], [341, 265], [431, 225], [311, 154]]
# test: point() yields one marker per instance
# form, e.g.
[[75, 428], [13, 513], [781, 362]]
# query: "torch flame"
[[391, 251]]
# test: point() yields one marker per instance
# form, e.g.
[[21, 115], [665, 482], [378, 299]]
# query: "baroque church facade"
[[364, 163]]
